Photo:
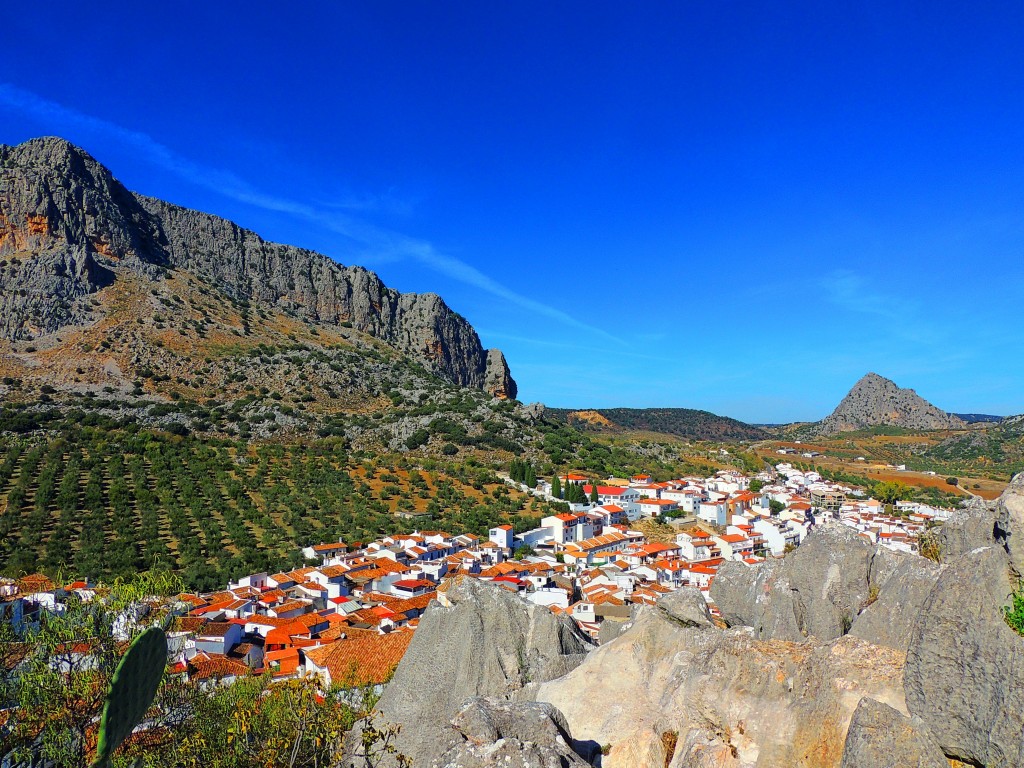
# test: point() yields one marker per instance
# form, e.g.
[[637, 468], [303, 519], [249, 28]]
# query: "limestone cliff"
[[68, 228]]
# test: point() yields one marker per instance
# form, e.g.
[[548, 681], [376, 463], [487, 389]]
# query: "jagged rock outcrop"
[[898, 594], [67, 228], [877, 401], [485, 641], [881, 737], [818, 590], [497, 376], [965, 666], [721, 697], [501, 734], [64, 222]]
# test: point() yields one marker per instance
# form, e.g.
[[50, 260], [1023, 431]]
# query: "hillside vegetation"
[[681, 422]]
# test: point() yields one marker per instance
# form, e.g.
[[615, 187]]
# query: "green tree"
[[756, 485], [523, 550], [775, 507], [60, 684], [530, 478], [556, 487], [595, 496], [891, 492]]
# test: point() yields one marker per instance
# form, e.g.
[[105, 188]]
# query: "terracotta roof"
[[216, 666], [362, 660], [215, 629], [187, 624], [34, 583], [413, 584]]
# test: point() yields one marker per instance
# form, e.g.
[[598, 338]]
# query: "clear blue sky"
[[737, 206]]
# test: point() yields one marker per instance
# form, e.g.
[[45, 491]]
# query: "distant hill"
[[876, 401], [682, 422], [997, 444]]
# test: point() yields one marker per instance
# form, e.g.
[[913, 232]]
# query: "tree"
[[756, 485], [775, 507], [556, 487], [60, 684], [952, 481], [595, 496], [891, 492], [530, 478], [523, 550]]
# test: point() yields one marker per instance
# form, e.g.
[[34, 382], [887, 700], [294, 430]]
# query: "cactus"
[[132, 691]]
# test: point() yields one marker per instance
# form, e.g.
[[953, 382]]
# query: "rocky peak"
[[877, 401], [68, 228]]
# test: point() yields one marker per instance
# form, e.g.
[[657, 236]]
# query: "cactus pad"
[[132, 691]]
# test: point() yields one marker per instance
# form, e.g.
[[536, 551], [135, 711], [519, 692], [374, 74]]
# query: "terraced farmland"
[[105, 503]]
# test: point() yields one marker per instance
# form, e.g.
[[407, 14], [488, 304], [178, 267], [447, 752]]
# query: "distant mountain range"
[[682, 422]]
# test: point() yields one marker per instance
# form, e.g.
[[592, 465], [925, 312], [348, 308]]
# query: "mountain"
[[69, 230], [682, 422], [876, 401]]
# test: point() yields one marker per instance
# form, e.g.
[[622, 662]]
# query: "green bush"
[[1014, 614]]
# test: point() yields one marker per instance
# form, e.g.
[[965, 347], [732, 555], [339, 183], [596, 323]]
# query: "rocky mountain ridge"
[[876, 401], [69, 229]]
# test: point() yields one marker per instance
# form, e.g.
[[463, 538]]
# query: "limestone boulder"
[[968, 528], [881, 737], [703, 696], [687, 607], [965, 666], [1009, 523], [893, 608], [481, 641], [498, 734], [818, 590]]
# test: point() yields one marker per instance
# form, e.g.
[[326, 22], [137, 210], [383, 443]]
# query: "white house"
[[503, 536], [715, 512]]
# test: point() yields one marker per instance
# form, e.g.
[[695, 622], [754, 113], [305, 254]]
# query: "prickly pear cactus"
[[132, 691]]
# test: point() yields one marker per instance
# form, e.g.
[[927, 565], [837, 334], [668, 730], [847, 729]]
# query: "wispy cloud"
[[847, 290], [378, 242]]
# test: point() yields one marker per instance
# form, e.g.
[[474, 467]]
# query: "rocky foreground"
[[843, 654]]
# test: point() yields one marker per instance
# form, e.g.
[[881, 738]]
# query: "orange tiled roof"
[[363, 660]]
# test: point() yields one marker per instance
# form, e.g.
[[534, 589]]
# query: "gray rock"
[[496, 733], [881, 737], [1009, 522], [967, 529], [729, 699], [965, 666], [687, 607], [817, 590], [486, 642], [875, 400], [610, 629], [905, 582], [68, 228]]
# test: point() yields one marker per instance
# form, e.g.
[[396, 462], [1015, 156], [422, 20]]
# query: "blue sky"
[[735, 206]]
